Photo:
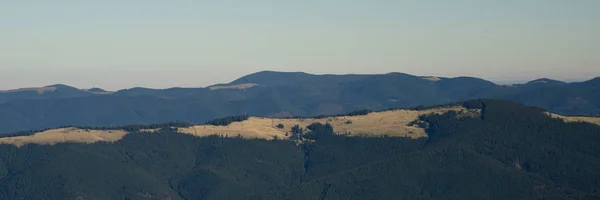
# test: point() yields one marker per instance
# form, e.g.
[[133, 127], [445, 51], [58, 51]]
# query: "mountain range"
[[276, 94]]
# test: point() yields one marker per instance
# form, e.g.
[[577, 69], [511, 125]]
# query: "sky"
[[117, 44]]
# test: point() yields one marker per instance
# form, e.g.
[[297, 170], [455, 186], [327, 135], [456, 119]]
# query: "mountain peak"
[[96, 90], [545, 81], [594, 81], [271, 78], [58, 86], [597, 79], [39, 90]]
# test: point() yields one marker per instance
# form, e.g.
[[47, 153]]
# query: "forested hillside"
[[510, 152]]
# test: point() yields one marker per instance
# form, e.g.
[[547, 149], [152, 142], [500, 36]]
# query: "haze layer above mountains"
[[276, 94]]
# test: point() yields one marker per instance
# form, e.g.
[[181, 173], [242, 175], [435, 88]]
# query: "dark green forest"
[[510, 152], [227, 120]]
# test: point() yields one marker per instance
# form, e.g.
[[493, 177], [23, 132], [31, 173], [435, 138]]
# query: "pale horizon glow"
[[160, 44]]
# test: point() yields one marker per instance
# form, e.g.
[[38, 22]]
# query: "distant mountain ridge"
[[56, 91], [545, 81], [282, 94], [274, 78]]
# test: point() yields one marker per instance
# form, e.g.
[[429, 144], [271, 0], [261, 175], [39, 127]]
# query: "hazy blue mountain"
[[272, 78], [545, 81], [164, 93], [594, 83], [581, 98], [96, 90], [279, 94], [47, 92]]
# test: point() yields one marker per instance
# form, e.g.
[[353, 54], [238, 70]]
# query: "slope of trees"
[[511, 152], [227, 120]]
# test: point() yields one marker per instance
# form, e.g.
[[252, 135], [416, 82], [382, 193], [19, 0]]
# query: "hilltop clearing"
[[593, 120], [392, 123], [66, 135]]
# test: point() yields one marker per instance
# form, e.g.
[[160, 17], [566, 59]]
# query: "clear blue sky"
[[120, 44]]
